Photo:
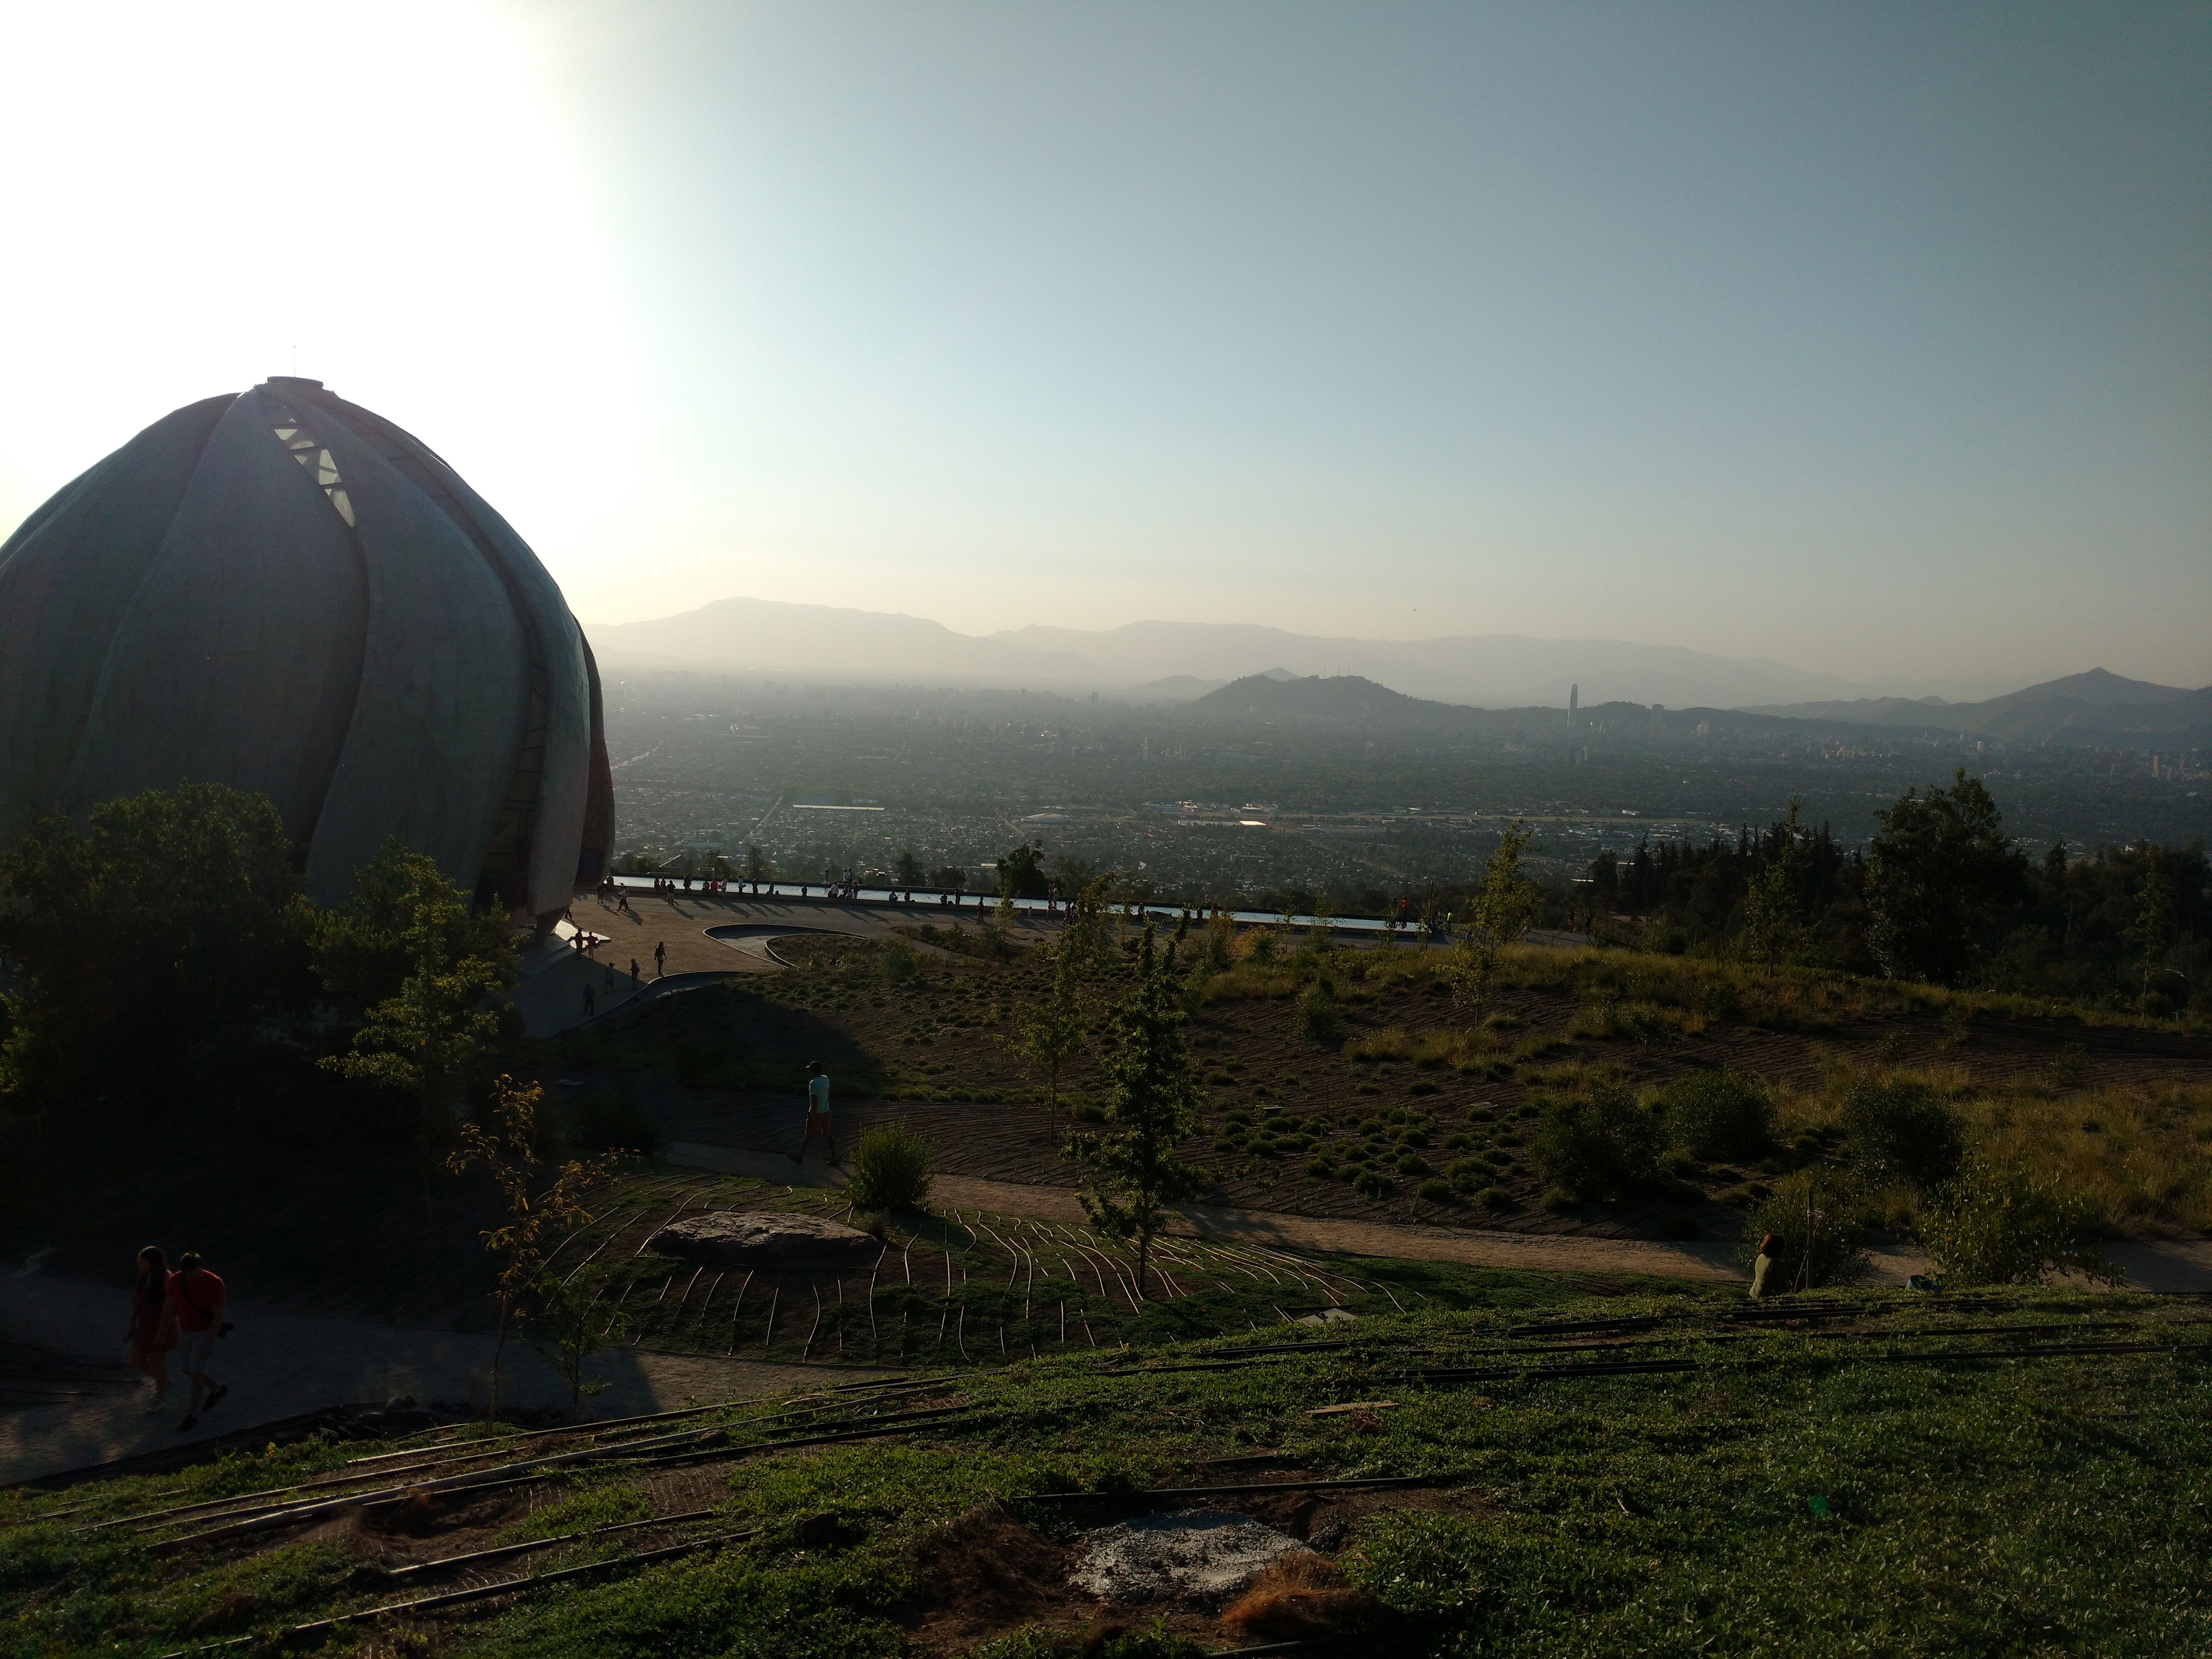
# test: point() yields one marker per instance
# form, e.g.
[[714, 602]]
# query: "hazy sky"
[[1877, 338]]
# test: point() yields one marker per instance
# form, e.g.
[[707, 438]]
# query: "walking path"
[[284, 1365], [2173, 1265]]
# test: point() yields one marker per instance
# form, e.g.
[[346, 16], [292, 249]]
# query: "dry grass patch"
[[2141, 1155]]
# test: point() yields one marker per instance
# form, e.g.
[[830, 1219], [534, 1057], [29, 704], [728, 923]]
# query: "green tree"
[[1940, 875], [1771, 931], [1021, 873], [505, 1146], [1132, 1172], [1054, 1029], [425, 1037], [1089, 930], [1494, 917], [151, 953], [401, 907], [2153, 932], [906, 870], [580, 1324], [758, 866]]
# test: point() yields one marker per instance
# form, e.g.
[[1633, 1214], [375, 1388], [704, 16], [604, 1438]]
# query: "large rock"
[[744, 1238], [1205, 1556]]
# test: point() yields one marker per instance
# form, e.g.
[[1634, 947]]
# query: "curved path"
[[2173, 1264]]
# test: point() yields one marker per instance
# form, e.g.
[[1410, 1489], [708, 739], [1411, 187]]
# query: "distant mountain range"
[[2097, 708], [1174, 661]]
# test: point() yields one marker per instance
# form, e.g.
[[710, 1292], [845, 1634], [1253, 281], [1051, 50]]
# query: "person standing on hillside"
[[151, 1335], [196, 1302], [818, 1114]]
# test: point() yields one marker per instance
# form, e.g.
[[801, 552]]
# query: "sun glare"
[[197, 197]]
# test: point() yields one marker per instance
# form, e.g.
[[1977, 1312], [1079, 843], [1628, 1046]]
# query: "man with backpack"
[[196, 1302]]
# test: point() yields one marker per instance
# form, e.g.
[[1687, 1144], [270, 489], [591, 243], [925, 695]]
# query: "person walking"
[[818, 1114], [632, 974], [150, 1336], [661, 960], [197, 1300]]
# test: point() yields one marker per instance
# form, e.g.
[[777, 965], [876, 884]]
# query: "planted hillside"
[[1639, 1474]]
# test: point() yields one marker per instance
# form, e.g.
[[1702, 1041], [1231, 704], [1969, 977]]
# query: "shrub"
[[1373, 1183], [1494, 1198], [1996, 1226], [1316, 1017], [1718, 1114], [1598, 1145], [1412, 1163], [892, 1167], [1901, 1131], [1434, 1192], [607, 1122], [1808, 1206], [899, 963], [1321, 1168]]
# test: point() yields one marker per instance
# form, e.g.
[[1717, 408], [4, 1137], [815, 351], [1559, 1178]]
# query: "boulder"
[[749, 1238]]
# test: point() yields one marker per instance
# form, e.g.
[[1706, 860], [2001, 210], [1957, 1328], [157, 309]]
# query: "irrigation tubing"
[[506, 1551], [286, 1515], [1384, 1483], [895, 1388], [482, 1592]]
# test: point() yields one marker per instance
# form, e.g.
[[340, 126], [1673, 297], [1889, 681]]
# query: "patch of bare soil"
[[986, 1572]]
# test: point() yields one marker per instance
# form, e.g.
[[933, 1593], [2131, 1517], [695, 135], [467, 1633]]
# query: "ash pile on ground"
[[1199, 1556]]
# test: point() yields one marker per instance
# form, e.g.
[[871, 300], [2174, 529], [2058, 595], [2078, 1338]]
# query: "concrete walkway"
[[2173, 1264], [283, 1365]]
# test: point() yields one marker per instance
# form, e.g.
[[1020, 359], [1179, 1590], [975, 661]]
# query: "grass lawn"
[[1871, 1474]]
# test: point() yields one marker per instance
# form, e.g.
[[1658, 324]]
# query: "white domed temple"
[[282, 591]]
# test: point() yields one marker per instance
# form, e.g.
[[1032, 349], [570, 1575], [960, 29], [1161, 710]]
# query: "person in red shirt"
[[196, 1300]]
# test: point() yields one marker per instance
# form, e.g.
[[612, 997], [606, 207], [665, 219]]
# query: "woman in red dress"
[[153, 1330]]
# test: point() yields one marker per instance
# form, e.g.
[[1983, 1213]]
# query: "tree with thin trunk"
[[1495, 917], [1132, 1173], [1051, 1032], [506, 1147]]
